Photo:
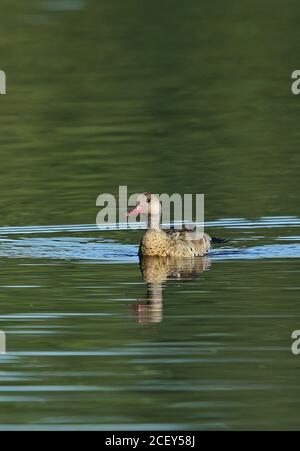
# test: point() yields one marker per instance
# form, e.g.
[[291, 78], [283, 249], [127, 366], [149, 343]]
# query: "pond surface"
[[93, 342], [180, 97]]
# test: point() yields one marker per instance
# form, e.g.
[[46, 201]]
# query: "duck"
[[158, 242]]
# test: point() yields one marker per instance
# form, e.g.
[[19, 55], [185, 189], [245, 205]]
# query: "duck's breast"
[[155, 243]]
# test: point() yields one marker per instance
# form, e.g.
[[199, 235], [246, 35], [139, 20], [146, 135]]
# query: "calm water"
[[190, 98]]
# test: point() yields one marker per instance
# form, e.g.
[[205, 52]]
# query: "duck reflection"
[[157, 271]]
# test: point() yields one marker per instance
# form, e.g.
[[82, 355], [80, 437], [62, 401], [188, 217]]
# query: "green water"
[[187, 97]]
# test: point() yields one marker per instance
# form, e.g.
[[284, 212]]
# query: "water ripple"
[[91, 250], [264, 222]]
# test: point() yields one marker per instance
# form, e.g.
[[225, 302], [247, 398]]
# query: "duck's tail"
[[215, 240]]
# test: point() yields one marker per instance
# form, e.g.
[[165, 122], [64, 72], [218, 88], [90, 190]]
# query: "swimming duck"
[[158, 242]]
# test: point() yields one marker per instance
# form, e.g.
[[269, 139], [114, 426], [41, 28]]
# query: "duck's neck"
[[153, 222]]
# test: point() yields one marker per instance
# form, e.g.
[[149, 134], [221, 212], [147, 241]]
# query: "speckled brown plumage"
[[169, 243]]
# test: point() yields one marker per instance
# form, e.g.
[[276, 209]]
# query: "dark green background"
[[165, 96]]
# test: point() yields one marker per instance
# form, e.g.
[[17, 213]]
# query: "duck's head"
[[146, 204]]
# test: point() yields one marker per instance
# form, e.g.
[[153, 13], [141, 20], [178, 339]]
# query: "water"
[[93, 343], [181, 97]]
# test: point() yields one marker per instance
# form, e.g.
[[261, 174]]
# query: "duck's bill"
[[137, 211]]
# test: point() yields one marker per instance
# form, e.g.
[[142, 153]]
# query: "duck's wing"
[[186, 233]]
